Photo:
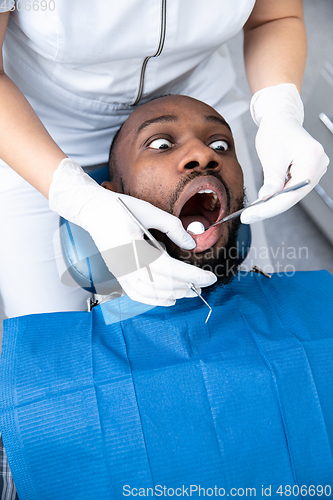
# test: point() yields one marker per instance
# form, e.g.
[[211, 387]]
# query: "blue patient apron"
[[129, 401]]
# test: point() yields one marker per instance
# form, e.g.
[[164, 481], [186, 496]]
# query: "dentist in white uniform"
[[72, 72]]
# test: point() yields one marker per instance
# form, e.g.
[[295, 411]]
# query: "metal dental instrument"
[[260, 202], [162, 250]]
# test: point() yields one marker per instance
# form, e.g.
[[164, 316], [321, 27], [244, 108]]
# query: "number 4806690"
[[33, 5], [311, 490]]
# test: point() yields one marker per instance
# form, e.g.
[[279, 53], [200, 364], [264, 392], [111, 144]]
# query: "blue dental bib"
[[132, 401]]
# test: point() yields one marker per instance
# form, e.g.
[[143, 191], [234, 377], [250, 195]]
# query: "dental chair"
[[86, 266]]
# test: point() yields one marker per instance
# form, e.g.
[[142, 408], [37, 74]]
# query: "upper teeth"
[[214, 199]]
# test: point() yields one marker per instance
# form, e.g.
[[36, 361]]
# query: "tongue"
[[197, 208]]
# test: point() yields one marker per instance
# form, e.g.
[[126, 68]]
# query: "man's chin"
[[222, 260]]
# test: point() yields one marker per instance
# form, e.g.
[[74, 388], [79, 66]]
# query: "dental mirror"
[[196, 227]]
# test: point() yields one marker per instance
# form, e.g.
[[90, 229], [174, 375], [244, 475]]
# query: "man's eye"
[[160, 144], [219, 145]]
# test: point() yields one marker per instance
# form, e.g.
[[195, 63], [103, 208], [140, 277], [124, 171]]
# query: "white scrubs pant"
[[29, 277]]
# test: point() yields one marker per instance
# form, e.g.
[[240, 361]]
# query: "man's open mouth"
[[203, 200]]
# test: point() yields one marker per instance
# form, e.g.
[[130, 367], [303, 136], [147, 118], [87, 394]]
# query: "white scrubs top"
[[84, 65]]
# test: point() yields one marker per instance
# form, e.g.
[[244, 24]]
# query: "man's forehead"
[[171, 109]]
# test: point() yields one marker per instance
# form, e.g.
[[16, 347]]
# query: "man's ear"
[[111, 186]]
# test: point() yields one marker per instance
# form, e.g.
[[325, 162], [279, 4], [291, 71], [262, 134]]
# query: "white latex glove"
[[78, 198], [282, 141]]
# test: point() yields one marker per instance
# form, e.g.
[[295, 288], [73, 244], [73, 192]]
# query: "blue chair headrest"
[[84, 262]]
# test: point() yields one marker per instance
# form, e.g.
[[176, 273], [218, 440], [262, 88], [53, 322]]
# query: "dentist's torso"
[[83, 64]]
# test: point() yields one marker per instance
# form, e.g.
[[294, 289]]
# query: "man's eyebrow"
[[158, 119], [217, 119]]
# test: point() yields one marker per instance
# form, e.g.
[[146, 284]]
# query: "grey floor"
[[293, 239]]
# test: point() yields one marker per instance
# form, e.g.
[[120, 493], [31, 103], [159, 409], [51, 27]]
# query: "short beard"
[[224, 261]]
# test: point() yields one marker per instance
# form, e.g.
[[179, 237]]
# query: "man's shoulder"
[[313, 285], [307, 287], [304, 278], [302, 301]]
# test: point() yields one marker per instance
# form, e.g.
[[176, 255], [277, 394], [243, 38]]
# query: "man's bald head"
[[178, 153]]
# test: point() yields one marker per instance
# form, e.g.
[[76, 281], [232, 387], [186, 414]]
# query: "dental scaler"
[[197, 227]]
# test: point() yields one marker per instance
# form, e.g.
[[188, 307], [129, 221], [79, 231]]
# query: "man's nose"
[[199, 156]]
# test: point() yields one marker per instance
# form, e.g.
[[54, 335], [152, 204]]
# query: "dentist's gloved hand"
[[281, 142], [79, 199]]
